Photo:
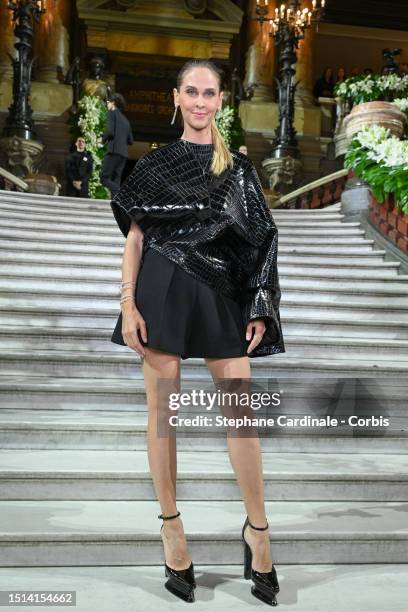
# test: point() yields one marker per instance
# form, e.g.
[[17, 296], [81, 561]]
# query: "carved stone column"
[[51, 43], [260, 57], [304, 67], [6, 41]]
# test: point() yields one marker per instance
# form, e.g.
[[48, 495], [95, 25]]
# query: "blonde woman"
[[199, 279]]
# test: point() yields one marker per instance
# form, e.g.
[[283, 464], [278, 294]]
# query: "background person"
[[78, 169], [324, 86], [118, 135]]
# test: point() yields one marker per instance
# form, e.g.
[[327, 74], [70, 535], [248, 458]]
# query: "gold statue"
[[95, 85]]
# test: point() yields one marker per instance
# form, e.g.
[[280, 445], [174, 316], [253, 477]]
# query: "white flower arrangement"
[[89, 122], [372, 87], [402, 104], [383, 147]]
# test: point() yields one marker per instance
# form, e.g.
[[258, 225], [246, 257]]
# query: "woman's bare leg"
[[246, 460], [162, 452]]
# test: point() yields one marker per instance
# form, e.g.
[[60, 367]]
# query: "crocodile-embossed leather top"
[[217, 228]]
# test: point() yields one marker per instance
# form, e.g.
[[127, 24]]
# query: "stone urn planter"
[[385, 114], [42, 183]]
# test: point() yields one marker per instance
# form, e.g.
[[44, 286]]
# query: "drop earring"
[[174, 115]]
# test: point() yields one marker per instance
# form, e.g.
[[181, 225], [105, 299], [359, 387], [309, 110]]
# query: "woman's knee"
[[231, 367], [161, 364]]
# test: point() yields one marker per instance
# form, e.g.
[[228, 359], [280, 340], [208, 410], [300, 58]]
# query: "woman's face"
[[341, 73], [199, 98]]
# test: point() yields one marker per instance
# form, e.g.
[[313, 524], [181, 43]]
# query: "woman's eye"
[[208, 93]]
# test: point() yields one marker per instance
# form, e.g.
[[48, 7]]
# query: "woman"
[[341, 74], [323, 87], [200, 280]]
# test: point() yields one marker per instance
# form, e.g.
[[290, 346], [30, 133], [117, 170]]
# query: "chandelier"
[[290, 16]]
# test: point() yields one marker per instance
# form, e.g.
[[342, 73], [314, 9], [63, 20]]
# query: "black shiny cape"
[[219, 230]]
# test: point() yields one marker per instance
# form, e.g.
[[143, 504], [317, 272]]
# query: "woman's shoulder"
[[241, 158], [158, 152], [169, 150]]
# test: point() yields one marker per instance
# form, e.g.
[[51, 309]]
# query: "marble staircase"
[[74, 479]]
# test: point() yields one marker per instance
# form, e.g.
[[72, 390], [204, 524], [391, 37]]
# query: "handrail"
[[13, 179], [313, 185]]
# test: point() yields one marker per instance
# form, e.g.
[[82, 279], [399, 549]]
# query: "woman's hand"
[[257, 326], [132, 321]]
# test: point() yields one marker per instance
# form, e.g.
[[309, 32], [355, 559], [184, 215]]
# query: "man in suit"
[[78, 169], [118, 135]]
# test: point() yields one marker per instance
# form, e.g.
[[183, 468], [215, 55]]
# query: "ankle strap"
[[166, 518], [258, 528]]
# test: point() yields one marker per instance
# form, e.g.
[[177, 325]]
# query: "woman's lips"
[[200, 114]]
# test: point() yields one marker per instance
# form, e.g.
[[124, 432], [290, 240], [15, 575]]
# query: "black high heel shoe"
[[180, 582], [265, 584]]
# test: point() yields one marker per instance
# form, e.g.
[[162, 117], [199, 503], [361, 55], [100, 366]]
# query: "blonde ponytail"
[[222, 158]]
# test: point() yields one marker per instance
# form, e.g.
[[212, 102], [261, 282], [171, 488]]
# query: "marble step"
[[38, 305], [112, 273], [17, 250], [344, 282], [65, 533], [90, 430], [39, 211], [90, 222], [109, 272], [94, 242], [349, 324], [125, 475], [291, 277], [53, 201], [112, 233], [299, 391], [394, 310], [19, 337], [49, 201], [380, 296], [121, 363], [22, 260], [310, 588]]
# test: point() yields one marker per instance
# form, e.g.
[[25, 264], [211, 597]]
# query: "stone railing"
[[318, 194], [12, 182]]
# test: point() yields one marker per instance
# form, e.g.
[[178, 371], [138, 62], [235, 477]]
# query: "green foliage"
[[229, 124], [237, 133]]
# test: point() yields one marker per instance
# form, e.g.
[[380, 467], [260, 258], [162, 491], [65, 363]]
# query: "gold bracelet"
[[126, 299]]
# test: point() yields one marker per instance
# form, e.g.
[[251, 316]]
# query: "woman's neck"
[[198, 137]]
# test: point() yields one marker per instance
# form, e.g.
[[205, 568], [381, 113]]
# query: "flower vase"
[[385, 114]]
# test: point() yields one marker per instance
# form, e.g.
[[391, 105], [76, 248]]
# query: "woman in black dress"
[[323, 88], [199, 279]]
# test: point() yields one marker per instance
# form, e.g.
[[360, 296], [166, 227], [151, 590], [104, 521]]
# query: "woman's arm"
[[132, 319], [261, 291]]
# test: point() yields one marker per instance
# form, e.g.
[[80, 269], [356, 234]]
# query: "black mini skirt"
[[184, 315]]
